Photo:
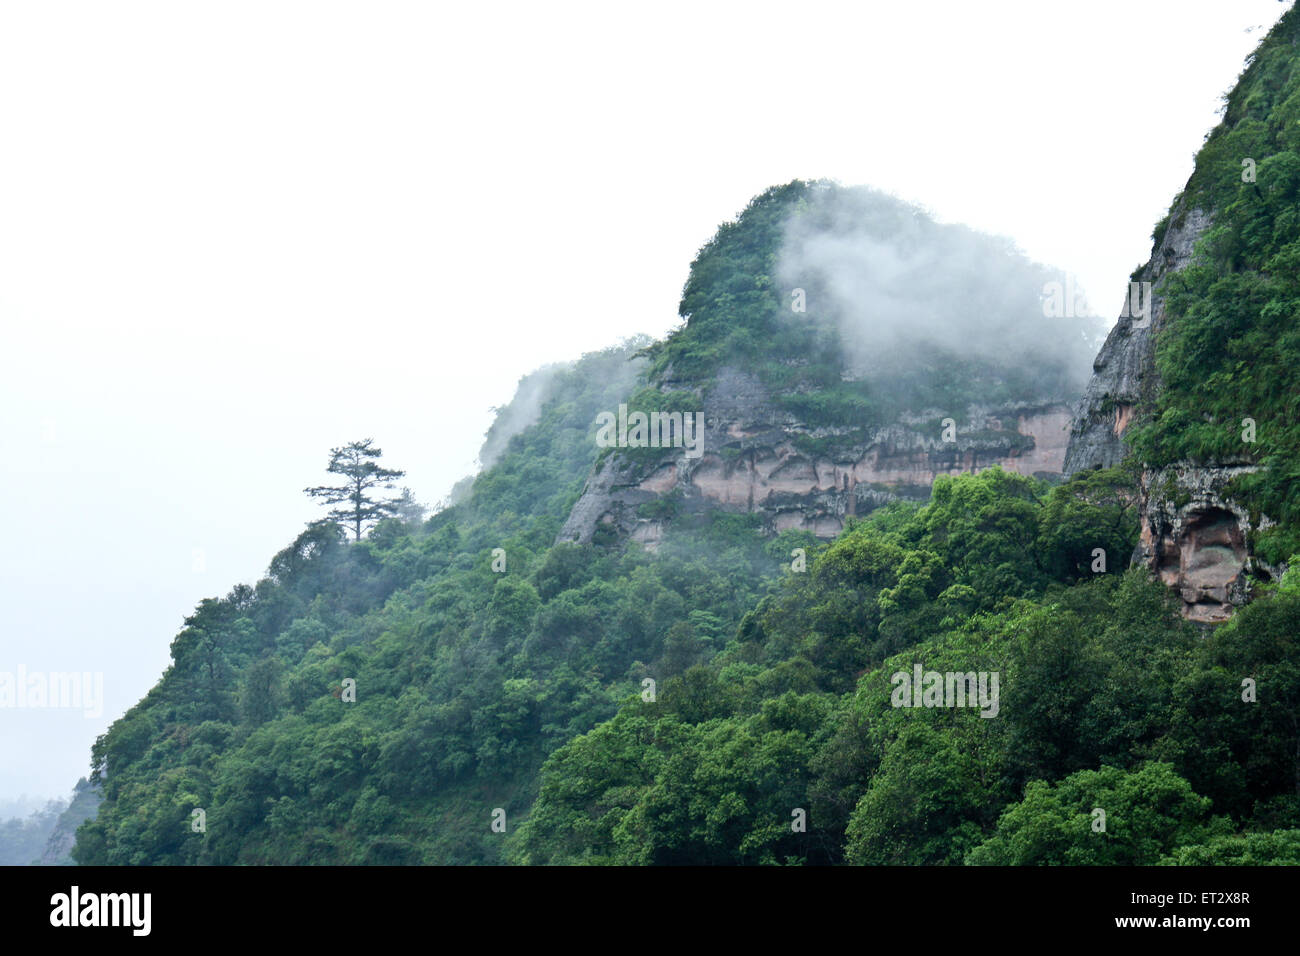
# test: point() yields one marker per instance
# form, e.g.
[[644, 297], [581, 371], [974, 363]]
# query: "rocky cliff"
[[1124, 374], [1193, 535], [759, 459], [843, 350]]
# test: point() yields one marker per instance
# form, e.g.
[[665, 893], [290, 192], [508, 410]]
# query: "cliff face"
[[1193, 535], [1124, 371], [830, 334], [758, 459]]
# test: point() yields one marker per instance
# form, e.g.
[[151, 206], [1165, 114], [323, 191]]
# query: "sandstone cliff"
[[759, 459], [1124, 371], [1193, 535]]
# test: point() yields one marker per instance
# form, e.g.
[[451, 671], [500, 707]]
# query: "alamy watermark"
[[652, 430], [923, 688], [76, 908], [53, 690], [1067, 301]]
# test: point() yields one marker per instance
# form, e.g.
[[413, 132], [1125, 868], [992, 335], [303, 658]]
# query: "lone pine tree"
[[358, 463]]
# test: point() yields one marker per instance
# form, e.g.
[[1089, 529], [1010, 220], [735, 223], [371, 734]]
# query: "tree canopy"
[[358, 464]]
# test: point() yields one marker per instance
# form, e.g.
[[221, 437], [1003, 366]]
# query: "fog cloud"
[[903, 288]]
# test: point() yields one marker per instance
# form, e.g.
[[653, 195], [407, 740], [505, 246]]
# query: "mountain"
[[471, 671], [1199, 393], [837, 572], [23, 838], [83, 806], [45, 836], [829, 335]]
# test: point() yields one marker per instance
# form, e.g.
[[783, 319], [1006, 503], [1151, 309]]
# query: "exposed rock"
[[1124, 373], [758, 458], [1193, 535], [1195, 538]]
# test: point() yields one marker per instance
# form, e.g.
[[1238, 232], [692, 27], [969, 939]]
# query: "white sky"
[[233, 235]]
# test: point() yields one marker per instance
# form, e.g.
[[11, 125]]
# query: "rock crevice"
[[1195, 538]]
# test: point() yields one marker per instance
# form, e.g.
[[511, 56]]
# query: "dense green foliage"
[[709, 703], [737, 310], [466, 678], [1108, 700], [718, 701], [523, 691], [1230, 350]]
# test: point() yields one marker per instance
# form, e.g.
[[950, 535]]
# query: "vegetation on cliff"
[[525, 691], [1229, 355], [464, 690], [773, 293]]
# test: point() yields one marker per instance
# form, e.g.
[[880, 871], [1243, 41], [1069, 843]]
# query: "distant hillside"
[[46, 837], [23, 839]]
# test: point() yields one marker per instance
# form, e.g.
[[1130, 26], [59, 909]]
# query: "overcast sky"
[[234, 234]]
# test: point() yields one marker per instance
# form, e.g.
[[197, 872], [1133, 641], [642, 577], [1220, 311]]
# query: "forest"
[[725, 697]]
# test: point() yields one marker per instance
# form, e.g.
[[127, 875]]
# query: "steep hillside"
[[83, 806], [807, 740], [1200, 393], [963, 673], [479, 643], [843, 350], [475, 646]]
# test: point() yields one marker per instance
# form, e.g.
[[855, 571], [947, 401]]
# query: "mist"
[[906, 291], [616, 368], [524, 410]]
